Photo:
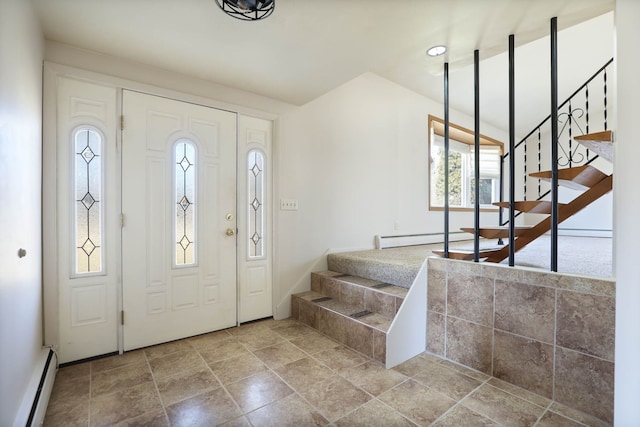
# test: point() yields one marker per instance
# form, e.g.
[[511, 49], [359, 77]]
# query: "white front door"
[[179, 219]]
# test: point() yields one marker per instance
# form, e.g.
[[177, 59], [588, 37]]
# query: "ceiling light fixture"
[[437, 50], [247, 10]]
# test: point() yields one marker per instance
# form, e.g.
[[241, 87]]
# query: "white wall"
[[626, 208], [356, 160], [21, 54]]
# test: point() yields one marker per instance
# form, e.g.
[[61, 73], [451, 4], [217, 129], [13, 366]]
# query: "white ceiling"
[[307, 48]]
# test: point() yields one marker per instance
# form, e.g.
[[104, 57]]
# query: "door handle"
[[230, 231]]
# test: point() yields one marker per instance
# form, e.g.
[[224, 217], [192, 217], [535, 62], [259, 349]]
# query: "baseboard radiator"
[[398, 240], [34, 406]]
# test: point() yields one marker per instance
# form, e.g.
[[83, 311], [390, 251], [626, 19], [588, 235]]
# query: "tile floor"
[[283, 373]]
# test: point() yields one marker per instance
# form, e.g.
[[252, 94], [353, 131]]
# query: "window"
[[185, 203], [461, 167], [255, 179], [88, 213]]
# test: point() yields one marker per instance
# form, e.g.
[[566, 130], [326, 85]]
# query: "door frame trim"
[[53, 70]]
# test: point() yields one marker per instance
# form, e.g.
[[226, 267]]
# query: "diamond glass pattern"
[[185, 200], [88, 177], [255, 217]]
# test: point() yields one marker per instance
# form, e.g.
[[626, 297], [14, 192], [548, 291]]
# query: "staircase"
[[383, 321], [586, 178]]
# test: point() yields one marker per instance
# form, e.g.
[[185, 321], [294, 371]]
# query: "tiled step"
[[352, 310], [379, 265]]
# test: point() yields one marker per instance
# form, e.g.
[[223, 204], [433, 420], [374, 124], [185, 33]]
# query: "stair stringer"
[[564, 212], [407, 335]]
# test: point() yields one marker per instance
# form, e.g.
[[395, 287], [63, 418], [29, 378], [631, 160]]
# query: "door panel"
[[87, 219], [179, 185], [254, 239]]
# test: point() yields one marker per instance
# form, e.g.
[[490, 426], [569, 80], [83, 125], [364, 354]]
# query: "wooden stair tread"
[[495, 232], [530, 206], [564, 211], [604, 136], [577, 178], [599, 142], [467, 254]]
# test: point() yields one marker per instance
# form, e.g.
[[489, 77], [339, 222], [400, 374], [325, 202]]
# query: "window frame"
[[461, 135]]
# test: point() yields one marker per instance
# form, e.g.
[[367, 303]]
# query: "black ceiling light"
[[247, 10]]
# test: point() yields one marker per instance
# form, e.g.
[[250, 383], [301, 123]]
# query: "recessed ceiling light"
[[437, 50]]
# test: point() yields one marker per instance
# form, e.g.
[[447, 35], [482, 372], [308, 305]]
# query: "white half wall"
[[21, 54]]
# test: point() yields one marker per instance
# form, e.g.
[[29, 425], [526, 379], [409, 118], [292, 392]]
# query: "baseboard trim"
[[398, 240]]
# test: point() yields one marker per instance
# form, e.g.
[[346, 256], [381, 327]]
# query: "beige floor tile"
[[175, 362], [67, 414], [205, 341], [222, 351], [260, 339], [73, 372], [279, 354], [186, 384], [119, 378], [551, 419], [520, 392], [237, 368], [579, 416], [340, 357], [117, 361], [374, 413], [167, 348], [155, 418], [258, 390], [237, 422], [290, 411], [212, 408], [303, 373], [448, 382], [419, 403], [503, 407], [294, 331], [110, 409], [460, 416], [466, 371], [335, 397], [414, 366], [373, 377], [70, 390], [314, 343]]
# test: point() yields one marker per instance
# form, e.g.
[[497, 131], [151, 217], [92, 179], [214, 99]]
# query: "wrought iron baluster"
[[539, 162], [605, 99], [570, 132], [586, 104], [525, 170]]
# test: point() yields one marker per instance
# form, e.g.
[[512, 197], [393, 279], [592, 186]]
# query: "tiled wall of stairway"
[[549, 333]]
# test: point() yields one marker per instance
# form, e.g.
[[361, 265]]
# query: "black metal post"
[[476, 158], [446, 160], [554, 144], [500, 209], [512, 157]]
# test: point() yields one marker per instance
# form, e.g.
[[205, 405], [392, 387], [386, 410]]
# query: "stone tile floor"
[[283, 373]]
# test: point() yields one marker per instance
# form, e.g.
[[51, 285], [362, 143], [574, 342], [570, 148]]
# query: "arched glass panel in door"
[[88, 210], [185, 169]]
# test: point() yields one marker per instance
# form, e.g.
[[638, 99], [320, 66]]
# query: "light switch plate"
[[288, 204]]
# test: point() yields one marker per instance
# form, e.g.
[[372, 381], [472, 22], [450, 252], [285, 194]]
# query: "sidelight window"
[[256, 192], [88, 214]]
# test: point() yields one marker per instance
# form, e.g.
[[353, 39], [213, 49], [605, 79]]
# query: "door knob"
[[230, 231]]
